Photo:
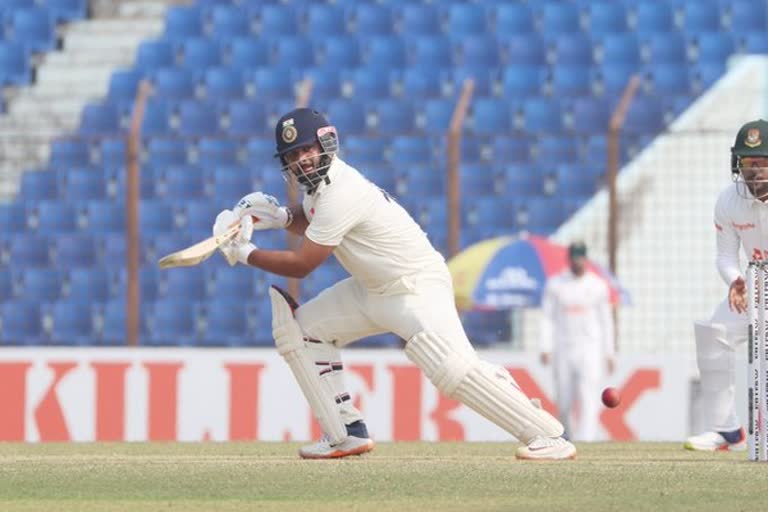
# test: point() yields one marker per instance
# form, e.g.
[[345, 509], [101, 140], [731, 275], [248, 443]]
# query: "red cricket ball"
[[611, 397]]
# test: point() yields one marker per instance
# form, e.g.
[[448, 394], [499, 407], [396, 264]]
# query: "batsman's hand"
[[737, 295], [265, 211], [237, 249]]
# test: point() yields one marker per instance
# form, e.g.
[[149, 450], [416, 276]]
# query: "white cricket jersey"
[[577, 313], [739, 221], [376, 240]]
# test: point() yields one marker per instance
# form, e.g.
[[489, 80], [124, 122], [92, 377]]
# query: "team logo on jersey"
[[753, 138]]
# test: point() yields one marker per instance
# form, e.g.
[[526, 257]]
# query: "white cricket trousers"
[[578, 375]]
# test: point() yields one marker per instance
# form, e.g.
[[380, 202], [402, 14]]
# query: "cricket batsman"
[[741, 216], [399, 283]]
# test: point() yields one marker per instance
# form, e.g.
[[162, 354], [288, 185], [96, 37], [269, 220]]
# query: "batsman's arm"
[[299, 222], [298, 263]]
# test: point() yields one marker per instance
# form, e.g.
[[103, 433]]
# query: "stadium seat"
[[215, 151], [622, 48], [701, 16], [571, 81], [248, 54], [393, 117], [485, 328], [542, 215], [67, 10], [180, 283], [382, 51], [69, 153], [74, 250], [755, 42], [654, 17], [645, 116], [113, 322], [226, 323], [84, 184], [421, 181], [175, 83], [416, 83], [478, 51], [746, 15], [521, 180], [555, 148], [466, 19], [230, 184], [348, 116], [371, 19], [34, 28], [523, 49], [431, 51], [229, 22], [162, 152], [666, 48], [111, 152], [246, 118], [490, 116], [572, 49], [171, 322], [506, 148], [155, 216], [39, 284], [200, 214], [103, 119], [485, 78], [339, 50], [476, 180], [183, 22], [522, 81], [573, 181], [183, 181], [419, 19], [589, 115], [157, 115], [278, 20], [200, 54], [236, 283], [364, 149], [607, 17], [326, 83], [105, 217], [152, 55], [71, 323], [224, 84], [705, 74], [294, 52], [669, 80], [198, 119], [513, 18], [6, 287], [367, 83], [409, 150], [272, 83], [14, 64], [613, 79], [20, 322], [560, 18], [436, 116], [52, 216], [260, 152], [542, 115], [714, 46], [325, 19], [13, 217], [36, 185]]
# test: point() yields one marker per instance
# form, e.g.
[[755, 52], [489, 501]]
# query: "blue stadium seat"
[[14, 64], [246, 118], [236, 283], [39, 284], [180, 283], [157, 117], [248, 54], [74, 251], [197, 119], [103, 119], [514, 18], [407, 150], [347, 116], [36, 185], [175, 83], [172, 322], [621, 48], [384, 51], [590, 115], [521, 180], [560, 18], [387, 340], [148, 281], [155, 216], [369, 19], [52, 216], [200, 214], [419, 19], [755, 42], [746, 15], [326, 19], [466, 19], [294, 51], [490, 116], [705, 74], [485, 78], [69, 153], [274, 83], [364, 149], [183, 181], [645, 116], [21, 322], [382, 175], [394, 117], [570, 81], [71, 323], [152, 55], [278, 20], [113, 322], [607, 17], [436, 116], [669, 80], [260, 152], [542, 115], [478, 51], [224, 84], [613, 79], [421, 181], [183, 22], [542, 215], [67, 10], [164, 152], [34, 28], [487, 328], [476, 180], [522, 81], [367, 83], [654, 17], [573, 49], [326, 83], [199, 54], [105, 216], [506, 148], [432, 51], [226, 323], [230, 184], [111, 152], [6, 286], [555, 148], [417, 83], [486, 211], [573, 181], [701, 16], [84, 184], [229, 22], [217, 152], [339, 50], [714, 46], [523, 49], [13, 216], [666, 48], [89, 284]]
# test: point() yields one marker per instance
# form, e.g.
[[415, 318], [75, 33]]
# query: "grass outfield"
[[395, 477]]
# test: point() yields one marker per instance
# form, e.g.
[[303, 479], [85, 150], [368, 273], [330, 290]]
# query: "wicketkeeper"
[[399, 283]]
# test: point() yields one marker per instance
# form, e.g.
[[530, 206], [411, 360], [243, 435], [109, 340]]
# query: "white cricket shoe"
[[547, 448], [322, 449], [714, 441]]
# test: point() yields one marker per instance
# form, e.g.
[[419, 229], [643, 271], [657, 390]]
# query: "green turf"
[[396, 477]]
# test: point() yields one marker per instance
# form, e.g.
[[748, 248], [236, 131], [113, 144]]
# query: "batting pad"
[[290, 343], [486, 389]]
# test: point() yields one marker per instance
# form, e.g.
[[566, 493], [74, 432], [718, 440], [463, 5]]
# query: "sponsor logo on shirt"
[[743, 227]]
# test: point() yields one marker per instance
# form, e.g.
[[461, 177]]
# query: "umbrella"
[[507, 272]]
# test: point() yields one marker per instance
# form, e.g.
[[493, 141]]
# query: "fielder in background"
[[399, 283], [741, 218], [577, 338]]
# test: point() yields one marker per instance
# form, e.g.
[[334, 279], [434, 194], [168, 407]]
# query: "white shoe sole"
[[339, 453], [561, 454]]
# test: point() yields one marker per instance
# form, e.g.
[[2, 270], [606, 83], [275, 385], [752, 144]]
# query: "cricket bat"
[[198, 253]]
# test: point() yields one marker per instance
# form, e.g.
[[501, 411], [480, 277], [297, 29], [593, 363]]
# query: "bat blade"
[[198, 253]]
